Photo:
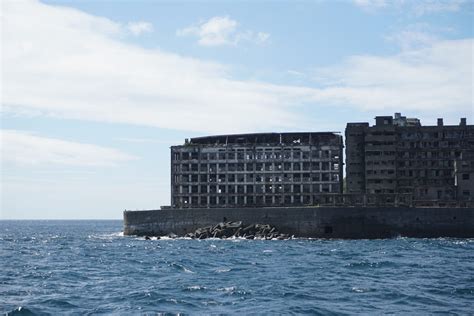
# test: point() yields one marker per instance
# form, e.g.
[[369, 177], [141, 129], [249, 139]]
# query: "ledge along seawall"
[[315, 222]]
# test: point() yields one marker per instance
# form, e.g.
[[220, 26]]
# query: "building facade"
[[399, 155], [267, 169]]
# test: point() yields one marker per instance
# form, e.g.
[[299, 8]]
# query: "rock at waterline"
[[236, 230]]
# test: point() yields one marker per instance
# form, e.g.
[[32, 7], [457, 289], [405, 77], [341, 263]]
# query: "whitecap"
[[106, 236], [195, 288], [181, 267], [360, 289], [166, 238], [357, 290], [227, 289]]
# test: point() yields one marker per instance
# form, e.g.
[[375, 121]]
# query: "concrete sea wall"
[[316, 222]]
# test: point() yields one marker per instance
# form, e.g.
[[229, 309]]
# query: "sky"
[[93, 93]]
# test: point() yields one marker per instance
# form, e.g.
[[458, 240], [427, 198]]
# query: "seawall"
[[316, 222]]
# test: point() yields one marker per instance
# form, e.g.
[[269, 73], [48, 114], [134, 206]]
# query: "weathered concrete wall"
[[322, 222]]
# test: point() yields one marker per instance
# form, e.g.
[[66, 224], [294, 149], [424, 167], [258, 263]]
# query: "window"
[[465, 176], [297, 189], [249, 188]]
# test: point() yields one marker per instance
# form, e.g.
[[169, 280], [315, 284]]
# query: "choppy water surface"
[[87, 267]]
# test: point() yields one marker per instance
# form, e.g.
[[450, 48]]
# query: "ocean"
[[88, 267]]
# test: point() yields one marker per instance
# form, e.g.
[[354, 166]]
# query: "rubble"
[[238, 230]]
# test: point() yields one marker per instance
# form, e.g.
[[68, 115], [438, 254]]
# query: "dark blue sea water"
[[87, 267]]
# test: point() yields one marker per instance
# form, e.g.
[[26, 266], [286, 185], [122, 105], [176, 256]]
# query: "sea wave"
[[91, 268]]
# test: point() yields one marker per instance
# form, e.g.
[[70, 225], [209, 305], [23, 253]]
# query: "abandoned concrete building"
[[266, 169], [399, 155]]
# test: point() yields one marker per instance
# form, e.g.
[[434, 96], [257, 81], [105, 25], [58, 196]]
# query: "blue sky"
[[95, 92]]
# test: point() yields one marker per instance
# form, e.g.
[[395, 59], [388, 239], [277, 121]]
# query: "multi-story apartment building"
[[399, 155], [267, 169]]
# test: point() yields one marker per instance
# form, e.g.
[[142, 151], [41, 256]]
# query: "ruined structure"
[[245, 170], [403, 179], [434, 164]]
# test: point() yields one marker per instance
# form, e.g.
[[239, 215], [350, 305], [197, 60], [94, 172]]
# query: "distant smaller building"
[[399, 155], [264, 169]]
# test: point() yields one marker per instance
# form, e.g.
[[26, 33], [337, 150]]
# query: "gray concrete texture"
[[315, 222]]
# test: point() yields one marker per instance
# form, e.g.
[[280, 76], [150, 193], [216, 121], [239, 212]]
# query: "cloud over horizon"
[[437, 77], [69, 64], [27, 149]]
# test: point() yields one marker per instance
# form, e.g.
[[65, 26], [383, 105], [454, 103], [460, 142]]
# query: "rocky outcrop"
[[238, 230]]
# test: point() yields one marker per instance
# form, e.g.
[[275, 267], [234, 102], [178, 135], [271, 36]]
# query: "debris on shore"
[[238, 230]]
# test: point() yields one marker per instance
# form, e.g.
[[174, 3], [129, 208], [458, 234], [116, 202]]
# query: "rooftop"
[[268, 138]]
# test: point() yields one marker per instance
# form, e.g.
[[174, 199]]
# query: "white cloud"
[[222, 30], [262, 37], [434, 79], [419, 35], [371, 3], [68, 64], [412, 39], [418, 7], [24, 148], [138, 28], [149, 140], [296, 73], [217, 31], [61, 64], [434, 6]]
